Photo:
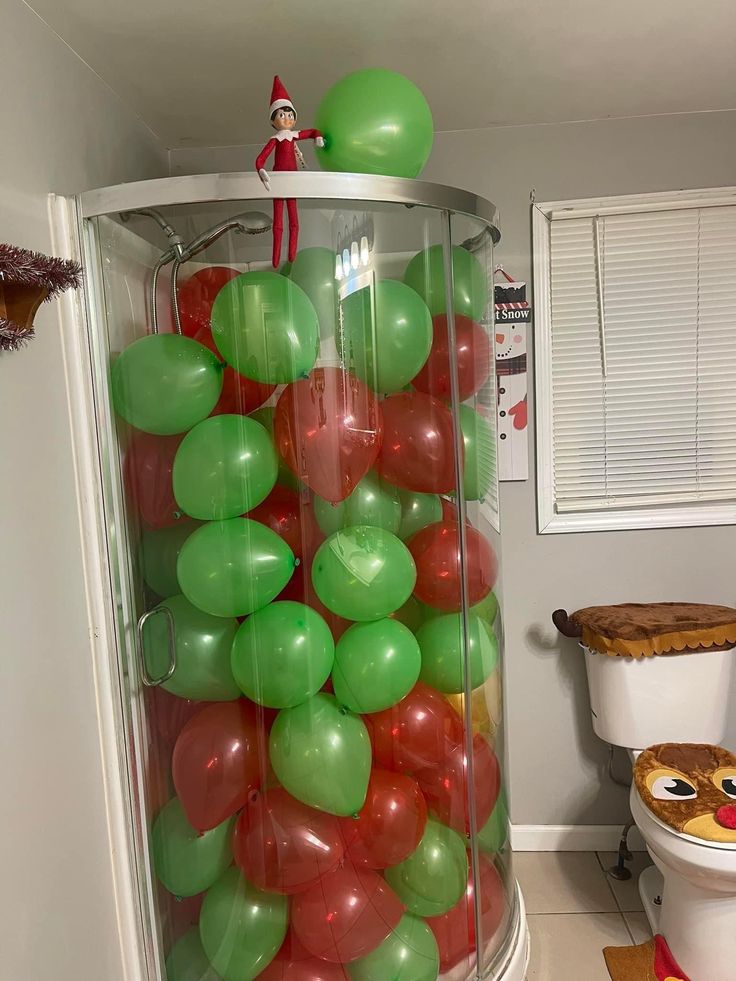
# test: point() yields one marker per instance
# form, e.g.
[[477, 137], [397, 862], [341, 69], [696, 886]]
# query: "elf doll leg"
[[278, 230], [293, 227]]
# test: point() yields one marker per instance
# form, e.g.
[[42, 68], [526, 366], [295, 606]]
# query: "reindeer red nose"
[[726, 816]]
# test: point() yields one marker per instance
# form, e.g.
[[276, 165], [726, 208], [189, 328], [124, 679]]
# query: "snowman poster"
[[512, 319]]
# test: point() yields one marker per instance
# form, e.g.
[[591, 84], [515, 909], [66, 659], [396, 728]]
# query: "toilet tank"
[[637, 702]]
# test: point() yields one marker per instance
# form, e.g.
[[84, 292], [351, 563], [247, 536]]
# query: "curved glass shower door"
[[300, 481]]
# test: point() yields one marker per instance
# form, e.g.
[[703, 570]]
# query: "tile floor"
[[574, 910]]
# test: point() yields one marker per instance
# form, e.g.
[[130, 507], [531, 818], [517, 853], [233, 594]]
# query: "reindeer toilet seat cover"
[[690, 787], [651, 629]]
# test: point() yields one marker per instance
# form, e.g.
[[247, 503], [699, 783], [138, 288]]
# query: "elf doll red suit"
[[288, 157]]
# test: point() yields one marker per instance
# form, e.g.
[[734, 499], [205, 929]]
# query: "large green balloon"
[[231, 568], [375, 122], [187, 960], [241, 928], [376, 665], [426, 274], [494, 833], [160, 548], [487, 609], [224, 467], [433, 878], [418, 511], [409, 953], [373, 502], [363, 573], [321, 753], [442, 644], [314, 270], [283, 654], [189, 861], [165, 383], [202, 643], [266, 328], [387, 334], [480, 454], [264, 416]]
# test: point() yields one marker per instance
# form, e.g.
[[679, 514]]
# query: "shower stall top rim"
[[316, 186]]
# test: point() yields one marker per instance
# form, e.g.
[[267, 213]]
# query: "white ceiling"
[[200, 73]]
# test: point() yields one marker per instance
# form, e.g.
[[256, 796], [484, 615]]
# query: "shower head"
[[249, 223]]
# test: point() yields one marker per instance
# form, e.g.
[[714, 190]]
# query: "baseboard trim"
[[572, 838]]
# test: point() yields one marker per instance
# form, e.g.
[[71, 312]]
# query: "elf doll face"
[[283, 119]]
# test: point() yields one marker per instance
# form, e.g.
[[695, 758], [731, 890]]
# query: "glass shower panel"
[[305, 519]]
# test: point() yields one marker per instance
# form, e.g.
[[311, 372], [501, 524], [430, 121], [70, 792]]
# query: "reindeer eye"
[[673, 788], [725, 780]]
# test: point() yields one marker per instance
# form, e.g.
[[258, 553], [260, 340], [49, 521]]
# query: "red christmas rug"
[[651, 961]]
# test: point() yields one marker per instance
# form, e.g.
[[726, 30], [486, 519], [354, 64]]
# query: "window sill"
[[632, 520]]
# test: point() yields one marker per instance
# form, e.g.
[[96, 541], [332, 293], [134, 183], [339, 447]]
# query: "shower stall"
[[299, 544]]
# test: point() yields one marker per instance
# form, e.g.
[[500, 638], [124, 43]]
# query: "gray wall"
[[557, 765], [64, 131]]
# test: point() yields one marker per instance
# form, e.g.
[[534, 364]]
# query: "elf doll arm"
[[312, 134], [261, 162]]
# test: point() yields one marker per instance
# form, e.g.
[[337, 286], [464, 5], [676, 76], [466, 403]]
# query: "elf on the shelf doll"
[[288, 157]]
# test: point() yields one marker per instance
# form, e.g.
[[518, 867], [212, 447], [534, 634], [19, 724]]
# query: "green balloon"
[[363, 573], [376, 664], [410, 614], [494, 833], [487, 609], [418, 511], [224, 467], [375, 121], [480, 455], [373, 502], [264, 416], [321, 753], [266, 328], [188, 861], [231, 568], [165, 383], [241, 927], [442, 643], [433, 878], [387, 335], [202, 643], [409, 953], [160, 548], [283, 654], [187, 960], [426, 274], [314, 270]]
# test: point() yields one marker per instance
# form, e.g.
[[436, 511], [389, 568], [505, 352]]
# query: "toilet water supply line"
[[250, 223]]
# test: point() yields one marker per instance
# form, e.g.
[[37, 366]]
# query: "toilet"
[[663, 674]]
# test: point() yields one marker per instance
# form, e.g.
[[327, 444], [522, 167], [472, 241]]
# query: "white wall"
[[62, 130], [556, 763]]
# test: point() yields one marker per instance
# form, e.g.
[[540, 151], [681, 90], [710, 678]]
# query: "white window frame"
[[613, 519]]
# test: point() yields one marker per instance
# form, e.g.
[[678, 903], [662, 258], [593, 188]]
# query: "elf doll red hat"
[[280, 98]]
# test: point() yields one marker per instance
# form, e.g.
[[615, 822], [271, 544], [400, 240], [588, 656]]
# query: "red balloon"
[[454, 931], [474, 360], [328, 429], [197, 294], [390, 824], [346, 915], [445, 784], [177, 915], [291, 517], [239, 395], [299, 589], [219, 758], [294, 963], [171, 713], [281, 845], [415, 732], [449, 510], [149, 461], [436, 553], [418, 451]]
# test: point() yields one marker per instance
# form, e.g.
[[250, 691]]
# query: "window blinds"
[[653, 421]]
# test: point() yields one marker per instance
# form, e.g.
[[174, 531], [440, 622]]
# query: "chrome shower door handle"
[[147, 678]]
